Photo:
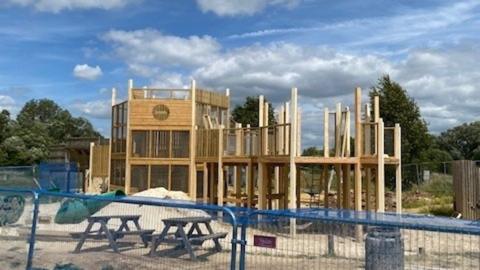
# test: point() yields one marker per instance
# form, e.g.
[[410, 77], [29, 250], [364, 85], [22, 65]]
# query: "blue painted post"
[[243, 244], [233, 257], [31, 247], [68, 177]]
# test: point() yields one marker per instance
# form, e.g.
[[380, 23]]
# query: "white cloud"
[[444, 82], [146, 51], [59, 5], [241, 7], [97, 109], [402, 27], [87, 72], [273, 69], [7, 103]]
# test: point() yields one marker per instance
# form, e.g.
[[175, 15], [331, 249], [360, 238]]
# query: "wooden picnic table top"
[[186, 220], [106, 217]]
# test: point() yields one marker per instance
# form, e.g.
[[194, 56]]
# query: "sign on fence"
[[264, 241]]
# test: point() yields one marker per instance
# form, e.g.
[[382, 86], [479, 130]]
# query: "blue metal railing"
[[241, 219]]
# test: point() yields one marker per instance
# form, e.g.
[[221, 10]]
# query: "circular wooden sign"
[[160, 112]]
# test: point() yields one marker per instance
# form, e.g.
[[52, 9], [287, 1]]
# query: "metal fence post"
[[243, 243], [31, 247], [233, 257]]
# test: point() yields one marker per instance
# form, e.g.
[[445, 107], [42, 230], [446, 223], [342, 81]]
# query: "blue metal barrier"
[[340, 221], [60, 176], [243, 219], [136, 200]]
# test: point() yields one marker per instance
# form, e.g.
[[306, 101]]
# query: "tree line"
[[39, 125]]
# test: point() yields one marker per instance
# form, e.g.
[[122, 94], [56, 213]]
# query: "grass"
[[434, 197]]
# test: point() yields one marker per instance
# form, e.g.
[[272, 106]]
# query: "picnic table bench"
[[194, 236], [112, 235]]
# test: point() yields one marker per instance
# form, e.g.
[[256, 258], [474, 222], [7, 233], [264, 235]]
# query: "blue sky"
[[75, 51]]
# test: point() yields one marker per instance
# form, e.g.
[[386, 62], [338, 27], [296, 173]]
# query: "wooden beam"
[[114, 96], [293, 151], [376, 117], [368, 152], [128, 139], [398, 168], [130, 89], [326, 142], [260, 110], [346, 186], [338, 151], [326, 154], [205, 182], [249, 184], [276, 188], [220, 184], [299, 133], [265, 130], [358, 149], [227, 120], [193, 143], [281, 132], [212, 183], [90, 166], [292, 203], [380, 168], [261, 179], [238, 182], [338, 121]]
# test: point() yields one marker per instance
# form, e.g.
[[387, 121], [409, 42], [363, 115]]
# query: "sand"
[[307, 249]]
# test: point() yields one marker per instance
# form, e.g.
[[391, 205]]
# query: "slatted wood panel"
[[212, 98], [207, 143], [466, 184], [141, 113], [100, 161]]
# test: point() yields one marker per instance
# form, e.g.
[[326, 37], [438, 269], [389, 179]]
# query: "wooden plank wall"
[[212, 98], [207, 143], [141, 113], [466, 185], [100, 159]]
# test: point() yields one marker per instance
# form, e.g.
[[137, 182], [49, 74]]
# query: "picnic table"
[[193, 237], [112, 235]]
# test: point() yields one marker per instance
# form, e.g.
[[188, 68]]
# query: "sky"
[[75, 51]]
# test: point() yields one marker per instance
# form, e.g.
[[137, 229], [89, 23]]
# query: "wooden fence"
[[100, 160], [466, 185]]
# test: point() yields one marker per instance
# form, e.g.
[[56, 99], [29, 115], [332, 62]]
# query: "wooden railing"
[[154, 93], [241, 141], [245, 142], [370, 138], [211, 98], [275, 140]]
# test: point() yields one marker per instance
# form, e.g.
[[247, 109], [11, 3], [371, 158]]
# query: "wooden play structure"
[[185, 139]]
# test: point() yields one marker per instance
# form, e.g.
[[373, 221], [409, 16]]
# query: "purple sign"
[[264, 241]]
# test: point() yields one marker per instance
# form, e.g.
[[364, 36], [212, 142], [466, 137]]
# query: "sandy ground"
[[307, 249]]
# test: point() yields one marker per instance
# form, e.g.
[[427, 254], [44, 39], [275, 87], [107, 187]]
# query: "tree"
[[312, 151], [40, 124], [462, 142], [45, 115], [397, 107], [4, 125], [248, 113]]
